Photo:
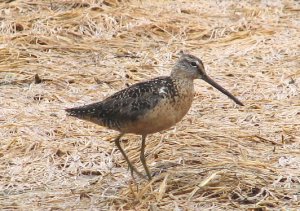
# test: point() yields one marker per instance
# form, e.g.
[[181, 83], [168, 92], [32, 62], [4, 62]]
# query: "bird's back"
[[138, 109]]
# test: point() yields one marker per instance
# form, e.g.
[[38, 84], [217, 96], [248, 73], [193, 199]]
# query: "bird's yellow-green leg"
[[142, 156], [131, 167]]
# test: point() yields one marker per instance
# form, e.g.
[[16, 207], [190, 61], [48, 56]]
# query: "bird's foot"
[[134, 170], [163, 167]]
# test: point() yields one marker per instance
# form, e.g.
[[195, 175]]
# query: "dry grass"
[[219, 157]]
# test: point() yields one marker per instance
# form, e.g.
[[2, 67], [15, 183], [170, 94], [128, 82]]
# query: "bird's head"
[[190, 67]]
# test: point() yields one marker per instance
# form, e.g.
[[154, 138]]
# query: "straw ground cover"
[[59, 54]]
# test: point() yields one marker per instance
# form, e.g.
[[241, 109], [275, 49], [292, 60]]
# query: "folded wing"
[[126, 105]]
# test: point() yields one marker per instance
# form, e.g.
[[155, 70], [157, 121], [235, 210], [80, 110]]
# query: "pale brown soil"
[[219, 157]]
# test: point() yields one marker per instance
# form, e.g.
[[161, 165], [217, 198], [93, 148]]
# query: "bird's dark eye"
[[194, 64]]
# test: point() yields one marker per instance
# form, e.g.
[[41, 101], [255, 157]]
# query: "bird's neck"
[[184, 85], [182, 78], [180, 74]]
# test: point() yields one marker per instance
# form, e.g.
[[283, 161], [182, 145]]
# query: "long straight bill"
[[221, 89]]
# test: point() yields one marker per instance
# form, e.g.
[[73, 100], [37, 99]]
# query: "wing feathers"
[[126, 105]]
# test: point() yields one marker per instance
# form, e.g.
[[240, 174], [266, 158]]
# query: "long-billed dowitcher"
[[150, 106]]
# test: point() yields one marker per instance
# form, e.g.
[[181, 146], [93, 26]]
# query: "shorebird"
[[151, 106]]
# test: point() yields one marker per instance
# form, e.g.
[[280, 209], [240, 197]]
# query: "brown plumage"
[[150, 106]]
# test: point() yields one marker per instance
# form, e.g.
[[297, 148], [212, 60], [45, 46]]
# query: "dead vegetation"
[[57, 54]]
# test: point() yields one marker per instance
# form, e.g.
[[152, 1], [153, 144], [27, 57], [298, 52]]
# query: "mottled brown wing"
[[126, 105]]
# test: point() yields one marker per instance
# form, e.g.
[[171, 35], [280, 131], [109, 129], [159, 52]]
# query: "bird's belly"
[[163, 116]]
